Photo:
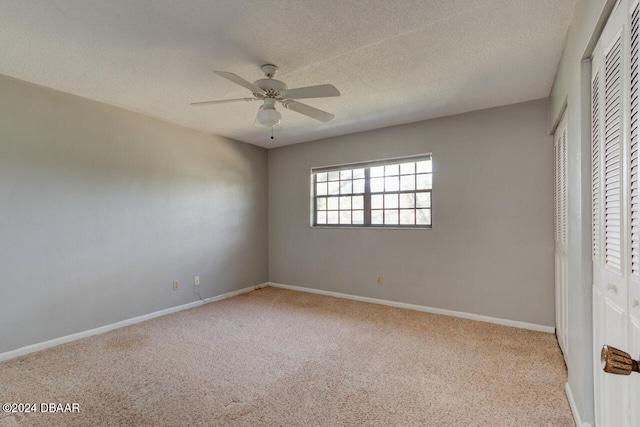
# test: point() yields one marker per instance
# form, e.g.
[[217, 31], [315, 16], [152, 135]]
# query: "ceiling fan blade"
[[307, 110], [222, 101], [240, 81], [320, 91]]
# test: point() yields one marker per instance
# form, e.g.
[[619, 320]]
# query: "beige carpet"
[[275, 357]]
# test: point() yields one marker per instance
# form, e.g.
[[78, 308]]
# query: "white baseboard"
[[574, 409], [470, 316], [74, 337]]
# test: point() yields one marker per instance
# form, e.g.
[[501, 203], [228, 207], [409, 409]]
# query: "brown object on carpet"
[[276, 357]]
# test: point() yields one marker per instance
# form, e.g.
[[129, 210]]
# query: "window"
[[385, 193]]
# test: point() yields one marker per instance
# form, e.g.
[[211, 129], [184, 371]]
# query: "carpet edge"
[[416, 307], [11, 354]]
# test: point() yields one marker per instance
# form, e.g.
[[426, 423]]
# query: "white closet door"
[[633, 300], [615, 219], [560, 215]]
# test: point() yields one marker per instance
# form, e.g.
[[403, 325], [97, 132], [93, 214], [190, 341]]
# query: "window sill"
[[371, 227]]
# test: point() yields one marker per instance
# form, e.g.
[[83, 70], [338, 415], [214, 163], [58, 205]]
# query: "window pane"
[[377, 171], [408, 168], [321, 203], [422, 167], [390, 201], [391, 183], [377, 217], [423, 181], [390, 170], [386, 192], [377, 185], [423, 200], [390, 216], [407, 216], [345, 203], [408, 182], [407, 200], [345, 187], [334, 187], [322, 218], [358, 202], [321, 189], [377, 201], [423, 216], [345, 174], [358, 186], [332, 203]]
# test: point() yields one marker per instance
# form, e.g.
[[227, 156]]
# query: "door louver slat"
[[555, 192], [612, 153], [595, 165], [633, 151], [560, 188], [563, 194]]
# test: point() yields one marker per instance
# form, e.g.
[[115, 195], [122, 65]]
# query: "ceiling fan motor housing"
[[271, 87]]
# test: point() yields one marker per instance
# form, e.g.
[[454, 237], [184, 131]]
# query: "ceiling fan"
[[270, 91]]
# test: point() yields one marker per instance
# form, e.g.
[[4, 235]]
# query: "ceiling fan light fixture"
[[268, 116]]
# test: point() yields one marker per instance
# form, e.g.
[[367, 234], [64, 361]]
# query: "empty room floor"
[[276, 357]]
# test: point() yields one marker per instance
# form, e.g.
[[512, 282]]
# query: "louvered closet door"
[[560, 211], [633, 299], [609, 281], [616, 267]]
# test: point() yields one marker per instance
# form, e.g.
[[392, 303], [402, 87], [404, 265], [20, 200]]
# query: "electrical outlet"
[[379, 280], [196, 281], [176, 285]]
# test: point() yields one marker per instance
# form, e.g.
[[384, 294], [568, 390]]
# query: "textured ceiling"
[[394, 61]]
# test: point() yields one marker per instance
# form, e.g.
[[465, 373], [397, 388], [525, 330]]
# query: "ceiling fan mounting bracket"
[[269, 70]]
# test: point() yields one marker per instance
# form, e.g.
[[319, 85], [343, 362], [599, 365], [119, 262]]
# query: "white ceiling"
[[394, 61]]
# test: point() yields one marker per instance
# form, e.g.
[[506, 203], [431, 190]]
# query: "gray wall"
[[490, 251], [102, 208], [571, 94]]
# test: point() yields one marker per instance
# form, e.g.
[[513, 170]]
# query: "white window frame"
[[369, 212]]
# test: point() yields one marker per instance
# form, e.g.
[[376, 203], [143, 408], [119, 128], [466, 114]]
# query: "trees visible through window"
[[385, 193]]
